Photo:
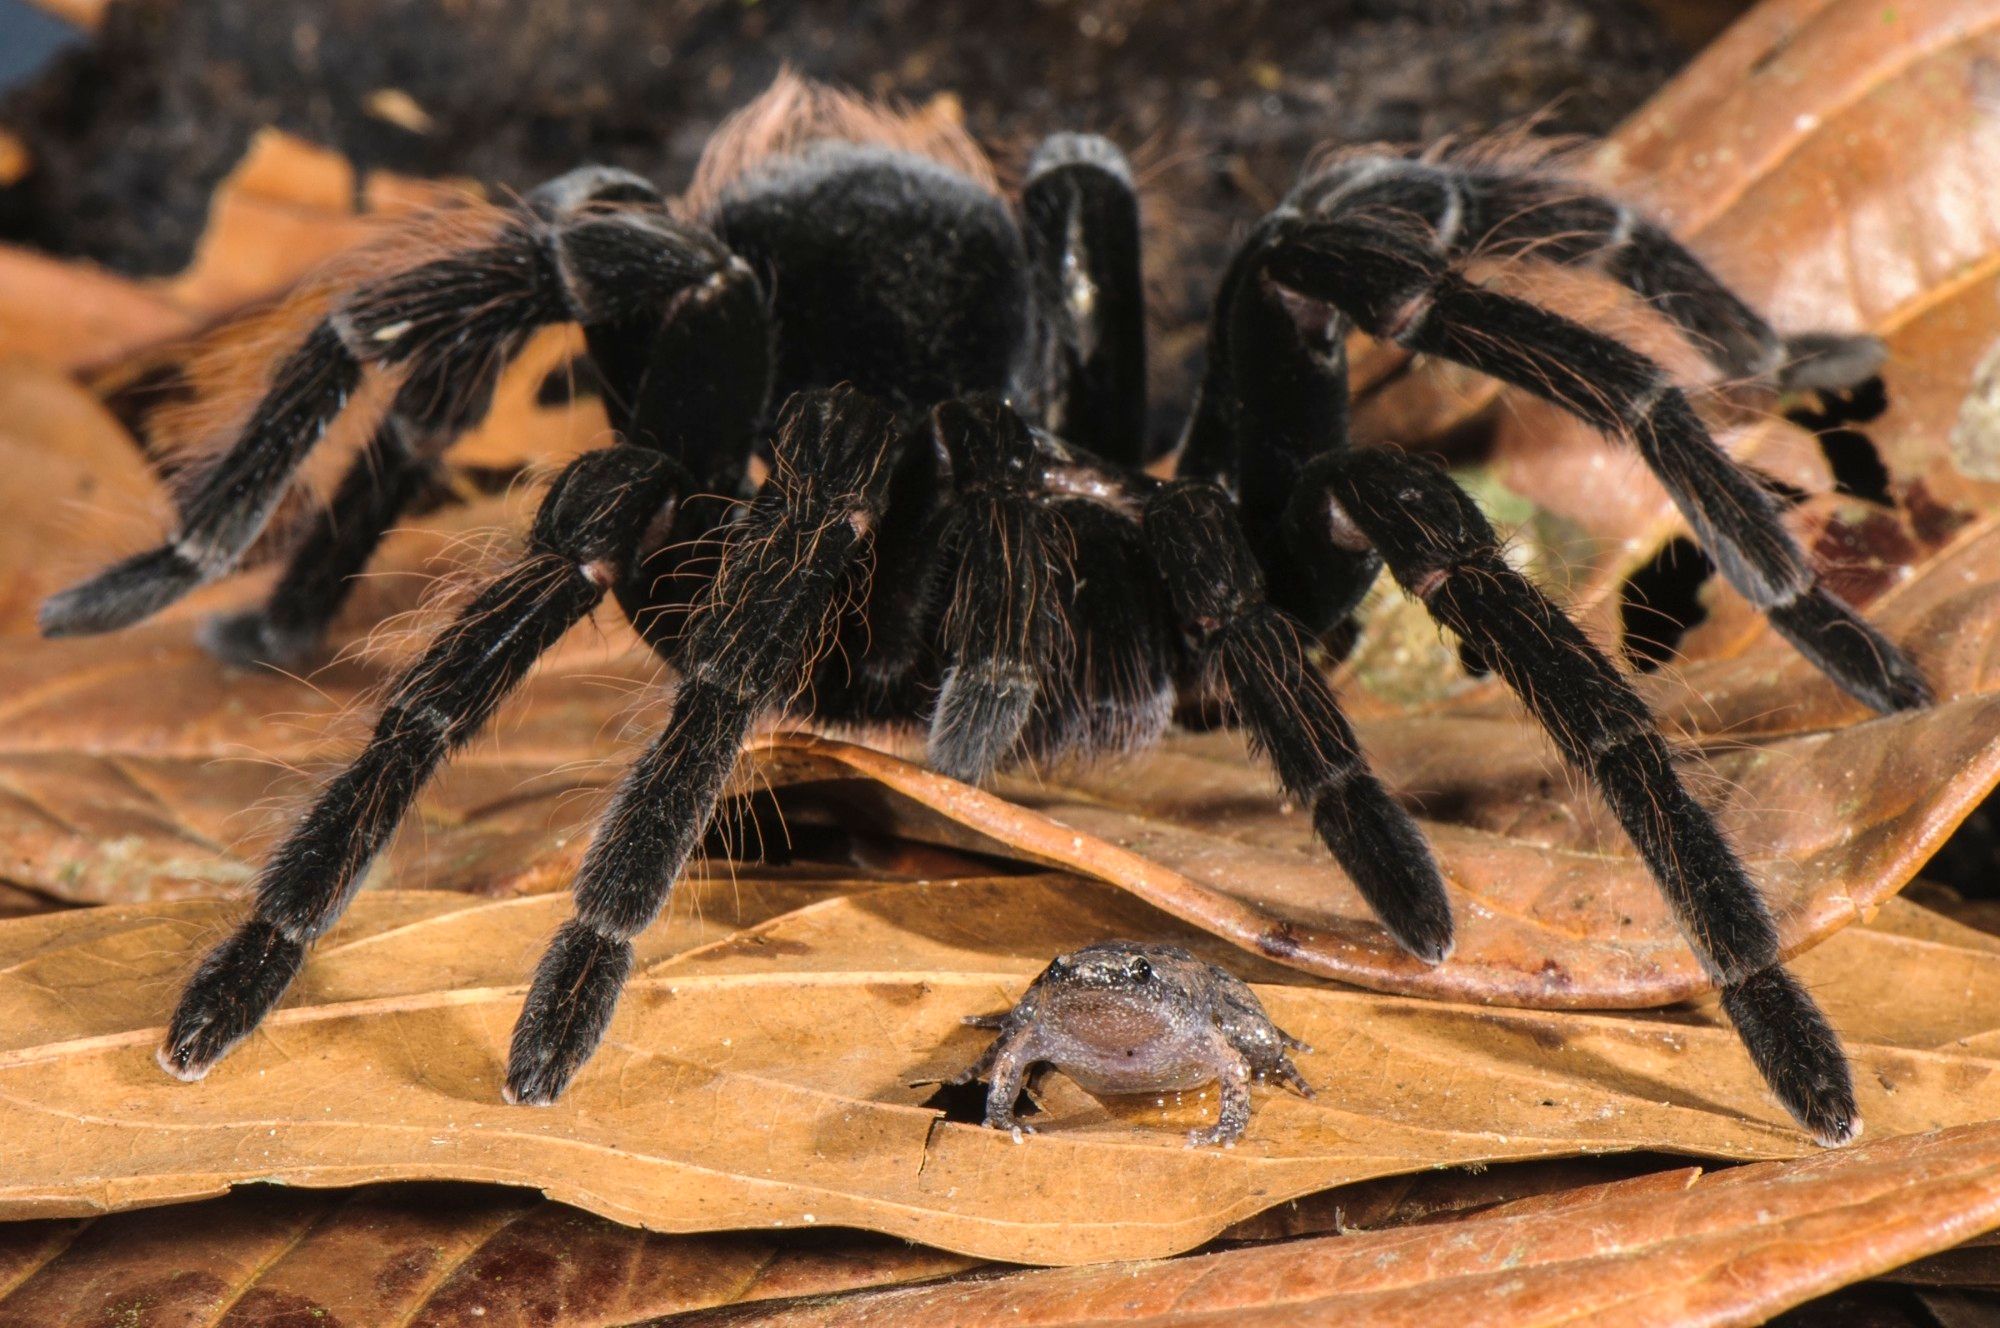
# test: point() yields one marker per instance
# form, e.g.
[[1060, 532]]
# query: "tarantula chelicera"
[[845, 353]]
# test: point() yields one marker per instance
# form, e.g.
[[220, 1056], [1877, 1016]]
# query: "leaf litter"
[[1835, 810]]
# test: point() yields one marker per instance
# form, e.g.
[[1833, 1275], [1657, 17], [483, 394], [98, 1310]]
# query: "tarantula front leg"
[[1397, 288], [1555, 220], [1003, 551], [746, 647], [1279, 695], [590, 526], [594, 247], [1440, 548], [1462, 211], [1081, 215]]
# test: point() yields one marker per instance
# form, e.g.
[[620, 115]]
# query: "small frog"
[[1131, 1017]]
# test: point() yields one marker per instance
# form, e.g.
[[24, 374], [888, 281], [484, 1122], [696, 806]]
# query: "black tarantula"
[[950, 390]]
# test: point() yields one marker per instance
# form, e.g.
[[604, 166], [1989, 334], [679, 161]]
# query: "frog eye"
[[1139, 970]]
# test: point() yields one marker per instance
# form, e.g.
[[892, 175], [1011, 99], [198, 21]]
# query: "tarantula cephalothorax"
[[951, 390]]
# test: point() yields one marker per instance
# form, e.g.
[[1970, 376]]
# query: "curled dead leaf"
[[1732, 1248]]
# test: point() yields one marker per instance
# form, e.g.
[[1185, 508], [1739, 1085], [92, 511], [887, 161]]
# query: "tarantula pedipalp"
[[949, 391]]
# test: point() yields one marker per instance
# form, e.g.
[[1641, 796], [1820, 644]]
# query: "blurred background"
[[126, 136], [112, 141]]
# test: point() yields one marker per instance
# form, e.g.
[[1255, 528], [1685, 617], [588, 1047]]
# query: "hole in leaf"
[[1858, 469], [1662, 601], [965, 1104]]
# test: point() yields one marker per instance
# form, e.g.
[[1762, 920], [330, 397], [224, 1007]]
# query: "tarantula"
[[844, 351]]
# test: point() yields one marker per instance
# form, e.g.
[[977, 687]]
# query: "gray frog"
[[1131, 1017]]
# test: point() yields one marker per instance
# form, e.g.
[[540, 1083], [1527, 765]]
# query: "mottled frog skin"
[[1131, 1017]]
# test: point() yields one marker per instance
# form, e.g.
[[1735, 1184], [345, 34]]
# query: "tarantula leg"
[[442, 325], [1459, 212], [746, 647], [1440, 548], [1003, 550], [1280, 696], [1111, 685], [231, 505], [1082, 229], [593, 518], [1397, 289], [287, 628], [1570, 226]]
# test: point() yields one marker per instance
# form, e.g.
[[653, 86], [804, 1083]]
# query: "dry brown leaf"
[[71, 314], [772, 1074], [1732, 1248], [455, 1256], [435, 1256]]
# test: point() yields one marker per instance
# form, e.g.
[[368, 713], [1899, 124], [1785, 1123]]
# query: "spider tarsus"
[[1852, 652], [250, 639], [1830, 360], [1391, 864], [1797, 1051], [568, 1008], [236, 985], [979, 717], [120, 595]]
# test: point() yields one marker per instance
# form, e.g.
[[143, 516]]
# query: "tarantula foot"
[[1849, 649], [232, 990], [1798, 1053], [250, 639], [980, 714], [120, 595], [1392, 865], [567, 1010], [1830, 360]]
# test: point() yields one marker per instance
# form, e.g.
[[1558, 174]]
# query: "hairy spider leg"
[[378, 486], [1463, 210], [1111, 687], [1281, 698], [1039, 598], [570, 255], [1395, 287], [707, 362], [1001, 551], [746, 647], [596, 513], [1441, 549], [1257, 427], [1080, 215]]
